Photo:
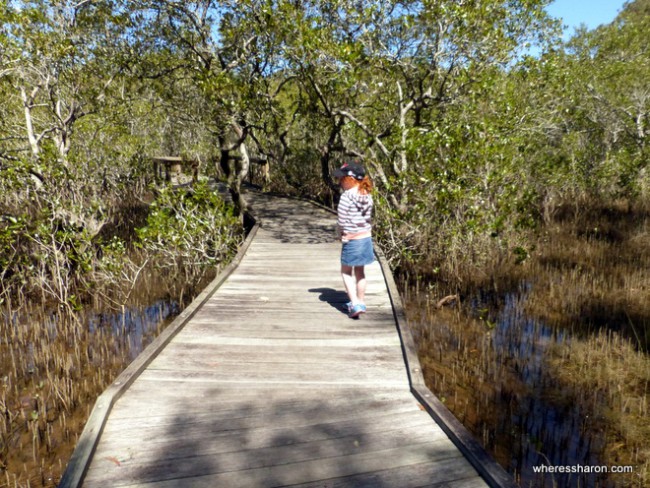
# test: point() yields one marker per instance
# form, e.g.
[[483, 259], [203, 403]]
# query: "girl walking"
[[355, 231]]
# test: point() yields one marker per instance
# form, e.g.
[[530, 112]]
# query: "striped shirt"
[[354, 214]]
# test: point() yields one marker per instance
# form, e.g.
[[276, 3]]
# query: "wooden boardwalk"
[[265, 382]]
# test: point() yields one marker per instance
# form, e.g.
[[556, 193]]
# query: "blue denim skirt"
[[358, 252]]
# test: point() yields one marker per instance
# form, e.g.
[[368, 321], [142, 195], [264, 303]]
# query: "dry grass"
[[53, 370], [572, 336], [594, 280], [53, 366], [593, 272], [610, 365]]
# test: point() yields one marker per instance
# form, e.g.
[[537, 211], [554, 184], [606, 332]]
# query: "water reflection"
[[135, 325], [55, 363], [490, 366]]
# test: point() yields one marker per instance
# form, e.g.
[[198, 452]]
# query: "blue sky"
[[590, 12]]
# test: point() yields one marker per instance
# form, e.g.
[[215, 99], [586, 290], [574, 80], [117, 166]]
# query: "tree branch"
[[365, 129]]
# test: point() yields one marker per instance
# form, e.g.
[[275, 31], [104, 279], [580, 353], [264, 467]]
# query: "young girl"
[[355, 230]]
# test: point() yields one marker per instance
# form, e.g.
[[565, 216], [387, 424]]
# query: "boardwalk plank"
[[269, 383], [288, 374], [375, 367], [267, 355], [280, 306], [448, 473], [249, 422], [306, 295], [194, 396], [301, 472], [305, 334], [157, 468], [205, 323], [288, 343], [328, 438], [238, 422], [189, 409], [330, 319]]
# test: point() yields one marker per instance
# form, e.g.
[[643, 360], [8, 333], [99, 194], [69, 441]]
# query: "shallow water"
[[489, 365], [54, 366], [136, 326]]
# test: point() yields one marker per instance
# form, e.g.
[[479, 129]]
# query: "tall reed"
[[55, 364], [547, 358]]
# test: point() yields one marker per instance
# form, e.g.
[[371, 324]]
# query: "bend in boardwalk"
[[271, 384]]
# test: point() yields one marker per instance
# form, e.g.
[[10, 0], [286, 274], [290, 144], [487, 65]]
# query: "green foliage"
[[12, 260], [44, 253], [193, 226], [470, 143], [48, 235]]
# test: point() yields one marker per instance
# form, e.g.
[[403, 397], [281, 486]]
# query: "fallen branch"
[[449, 299]]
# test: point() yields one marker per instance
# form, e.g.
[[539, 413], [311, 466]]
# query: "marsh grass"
[[546, 359], [613, 367], [55, 364], [70, 327], [53, 370]]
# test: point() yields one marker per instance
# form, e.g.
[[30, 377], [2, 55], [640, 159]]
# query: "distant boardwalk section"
[[266, 382]]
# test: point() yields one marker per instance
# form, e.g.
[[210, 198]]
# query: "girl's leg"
[[360, 276], [350, 283]]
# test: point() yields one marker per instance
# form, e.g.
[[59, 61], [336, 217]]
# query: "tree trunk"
[[241, 169], [27, 102], [326, 154]]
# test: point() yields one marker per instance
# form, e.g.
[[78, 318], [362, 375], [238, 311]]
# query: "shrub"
[[192, 225]]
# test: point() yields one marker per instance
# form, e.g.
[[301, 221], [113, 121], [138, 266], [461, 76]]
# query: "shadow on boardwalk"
[[361, 444], [335, 298], [268, 383], [293, 221]]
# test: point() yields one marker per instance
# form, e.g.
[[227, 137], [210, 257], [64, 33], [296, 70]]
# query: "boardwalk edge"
[[491, 471], [85, 448]]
